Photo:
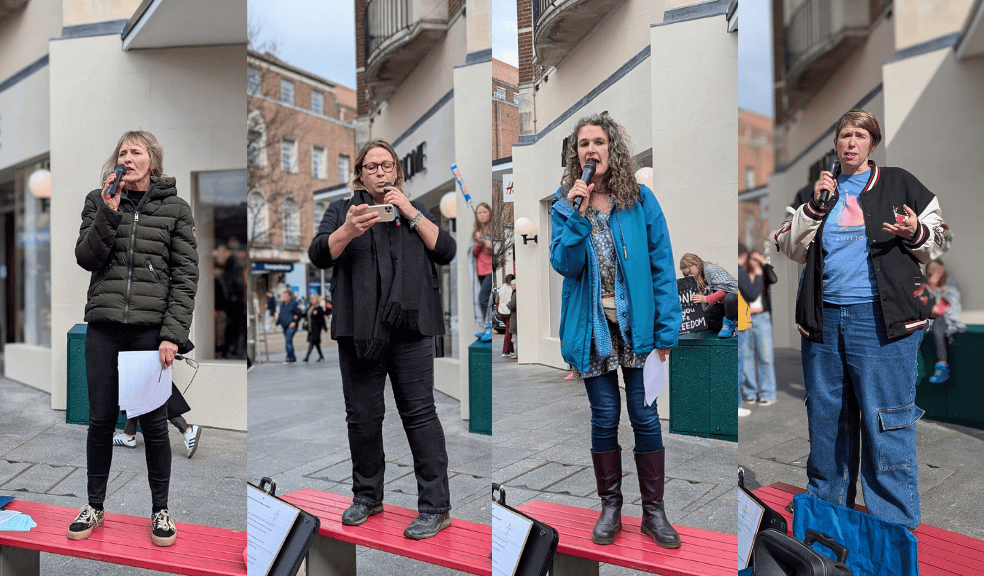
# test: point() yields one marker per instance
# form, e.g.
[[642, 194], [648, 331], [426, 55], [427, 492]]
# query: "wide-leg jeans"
[[103, 343], [758, 372], [409, 361], [861, 386], [604, 396]]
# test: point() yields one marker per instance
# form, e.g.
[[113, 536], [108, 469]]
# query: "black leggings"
[[311, 347], [178, 421], [103, 343]]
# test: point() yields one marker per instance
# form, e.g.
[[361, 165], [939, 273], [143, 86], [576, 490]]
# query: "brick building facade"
[[756, 161]]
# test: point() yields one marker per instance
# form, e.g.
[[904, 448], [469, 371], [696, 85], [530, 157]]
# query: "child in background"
[[946, 312], [719, 293]]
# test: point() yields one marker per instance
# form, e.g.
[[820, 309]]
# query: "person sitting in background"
[[946, 314], [718, 293]]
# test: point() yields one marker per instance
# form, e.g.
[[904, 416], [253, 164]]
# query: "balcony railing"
[[382, 20], [560, 25], [539, 7], [820, 36]]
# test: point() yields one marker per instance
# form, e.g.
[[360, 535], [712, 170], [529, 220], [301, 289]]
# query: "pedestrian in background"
[[139, 244], [271, 310], [315, 319], [387, 309], [862, 307], [504, 296], [619, 303], [290, 314], [513, 320], [755, 279]]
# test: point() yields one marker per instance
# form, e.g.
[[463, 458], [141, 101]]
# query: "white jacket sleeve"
[[797, 231], [930, 240]]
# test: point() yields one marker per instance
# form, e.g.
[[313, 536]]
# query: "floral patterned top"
[[604, 246]]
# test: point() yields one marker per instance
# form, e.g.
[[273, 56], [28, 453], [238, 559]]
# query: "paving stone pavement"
[[774, 446], [42, 459], [298, 437], [542, 447]]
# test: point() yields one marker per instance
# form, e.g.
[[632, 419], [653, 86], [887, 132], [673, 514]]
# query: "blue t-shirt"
[[848, 274]]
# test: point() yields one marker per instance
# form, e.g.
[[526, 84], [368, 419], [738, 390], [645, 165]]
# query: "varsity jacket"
[[902, 289]]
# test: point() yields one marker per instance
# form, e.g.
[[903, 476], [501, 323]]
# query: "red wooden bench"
[[463, 546], [941, 552], [198, 551], [701, 552]]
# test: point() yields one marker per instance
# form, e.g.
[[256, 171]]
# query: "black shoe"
[[358, 513], [426, 525], [87, 520], [305, 360], [162, 529]]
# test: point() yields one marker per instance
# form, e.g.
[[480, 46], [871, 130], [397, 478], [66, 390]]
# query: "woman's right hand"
[[357, 221], [826, 182], [699, 298], [583, 190], [113, 202]]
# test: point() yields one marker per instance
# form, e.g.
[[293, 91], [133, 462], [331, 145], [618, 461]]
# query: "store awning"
[[268, 267], [174, 23]]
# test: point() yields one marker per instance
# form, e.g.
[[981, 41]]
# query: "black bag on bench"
[[541, 545], [779, 554]]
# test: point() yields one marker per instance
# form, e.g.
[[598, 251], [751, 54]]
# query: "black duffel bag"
[[778, 554]]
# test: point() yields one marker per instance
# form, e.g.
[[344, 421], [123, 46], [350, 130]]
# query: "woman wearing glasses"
[[139, 244], [387, 308]]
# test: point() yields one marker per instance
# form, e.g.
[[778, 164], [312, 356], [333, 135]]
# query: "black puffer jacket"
[[143, 259]]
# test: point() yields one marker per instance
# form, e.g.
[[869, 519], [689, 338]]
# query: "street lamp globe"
[[39, 183], [449, 206]]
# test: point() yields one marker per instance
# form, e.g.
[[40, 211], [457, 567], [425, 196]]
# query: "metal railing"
[[539, 7], [810, 25], [383, 19]]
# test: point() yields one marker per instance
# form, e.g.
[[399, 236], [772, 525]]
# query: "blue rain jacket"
[[642, 243]]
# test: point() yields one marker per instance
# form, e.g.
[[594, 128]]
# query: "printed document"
[[268, 521], [509, 534], [143, 385]]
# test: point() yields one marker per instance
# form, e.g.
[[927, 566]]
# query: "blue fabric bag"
[[875, 547]]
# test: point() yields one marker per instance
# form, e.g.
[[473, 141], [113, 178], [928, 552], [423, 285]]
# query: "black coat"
[[430, 320], [315, 323], [143, 258]]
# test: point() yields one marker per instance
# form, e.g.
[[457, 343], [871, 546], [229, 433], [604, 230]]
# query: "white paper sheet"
[[749, 518], [654, 376], [7, 515], [268, 520], [143, 385], [509, 534]]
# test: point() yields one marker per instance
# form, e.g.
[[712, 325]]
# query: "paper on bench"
[[268, 521], [143, 385], [509, 534]]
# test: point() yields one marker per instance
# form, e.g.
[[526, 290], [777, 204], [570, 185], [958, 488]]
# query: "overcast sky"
[[755, 56], [504, 42], [314, 35]]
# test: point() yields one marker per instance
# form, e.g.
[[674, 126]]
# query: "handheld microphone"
[[586, 174], [388, 185], [834, 167], [120, 170]]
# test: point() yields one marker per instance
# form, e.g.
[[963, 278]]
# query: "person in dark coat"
[[290, 314], [316, 325], [139, 244], [387, 307]]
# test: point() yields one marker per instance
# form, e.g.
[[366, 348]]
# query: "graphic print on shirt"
[[848, 275]]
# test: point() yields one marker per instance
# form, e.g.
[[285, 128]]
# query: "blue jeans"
[[289, 342], [860, 404], [758, 373], [604, 396]]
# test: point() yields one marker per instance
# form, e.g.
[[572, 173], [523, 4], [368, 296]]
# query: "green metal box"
[[480, 388], [77, 404], [704, 386], [961, 398]]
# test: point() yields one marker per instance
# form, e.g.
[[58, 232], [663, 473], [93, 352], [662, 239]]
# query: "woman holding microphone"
[[139, 244], [619, 304]]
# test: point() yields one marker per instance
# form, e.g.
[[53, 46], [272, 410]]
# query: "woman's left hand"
[[664, 353], [904, 227], [168, 350], [699, 298], [397, 198]]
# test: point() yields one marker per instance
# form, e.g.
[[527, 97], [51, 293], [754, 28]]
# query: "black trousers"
[[103, 343], [727, 308], [409, 362]]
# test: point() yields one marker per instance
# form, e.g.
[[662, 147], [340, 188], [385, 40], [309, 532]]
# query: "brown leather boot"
[[608, 475], [650, 466]]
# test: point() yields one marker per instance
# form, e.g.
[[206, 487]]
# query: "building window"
[[221, 219], [256, 141], [516, 98], [318, 162], [292, 223], [319, 213], [343, 169], [256, 218], [749, 178], [500, 93], [252, 81], [288, 156], [286, 91], [317, 102]]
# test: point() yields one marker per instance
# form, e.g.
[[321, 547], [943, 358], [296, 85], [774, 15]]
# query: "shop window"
[[221, 218], [286, 91], [292, 223]]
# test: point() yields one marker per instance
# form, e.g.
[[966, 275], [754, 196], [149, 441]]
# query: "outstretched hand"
[[905, 227]]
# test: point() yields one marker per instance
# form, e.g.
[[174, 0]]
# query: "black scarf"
[[387, 286]]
